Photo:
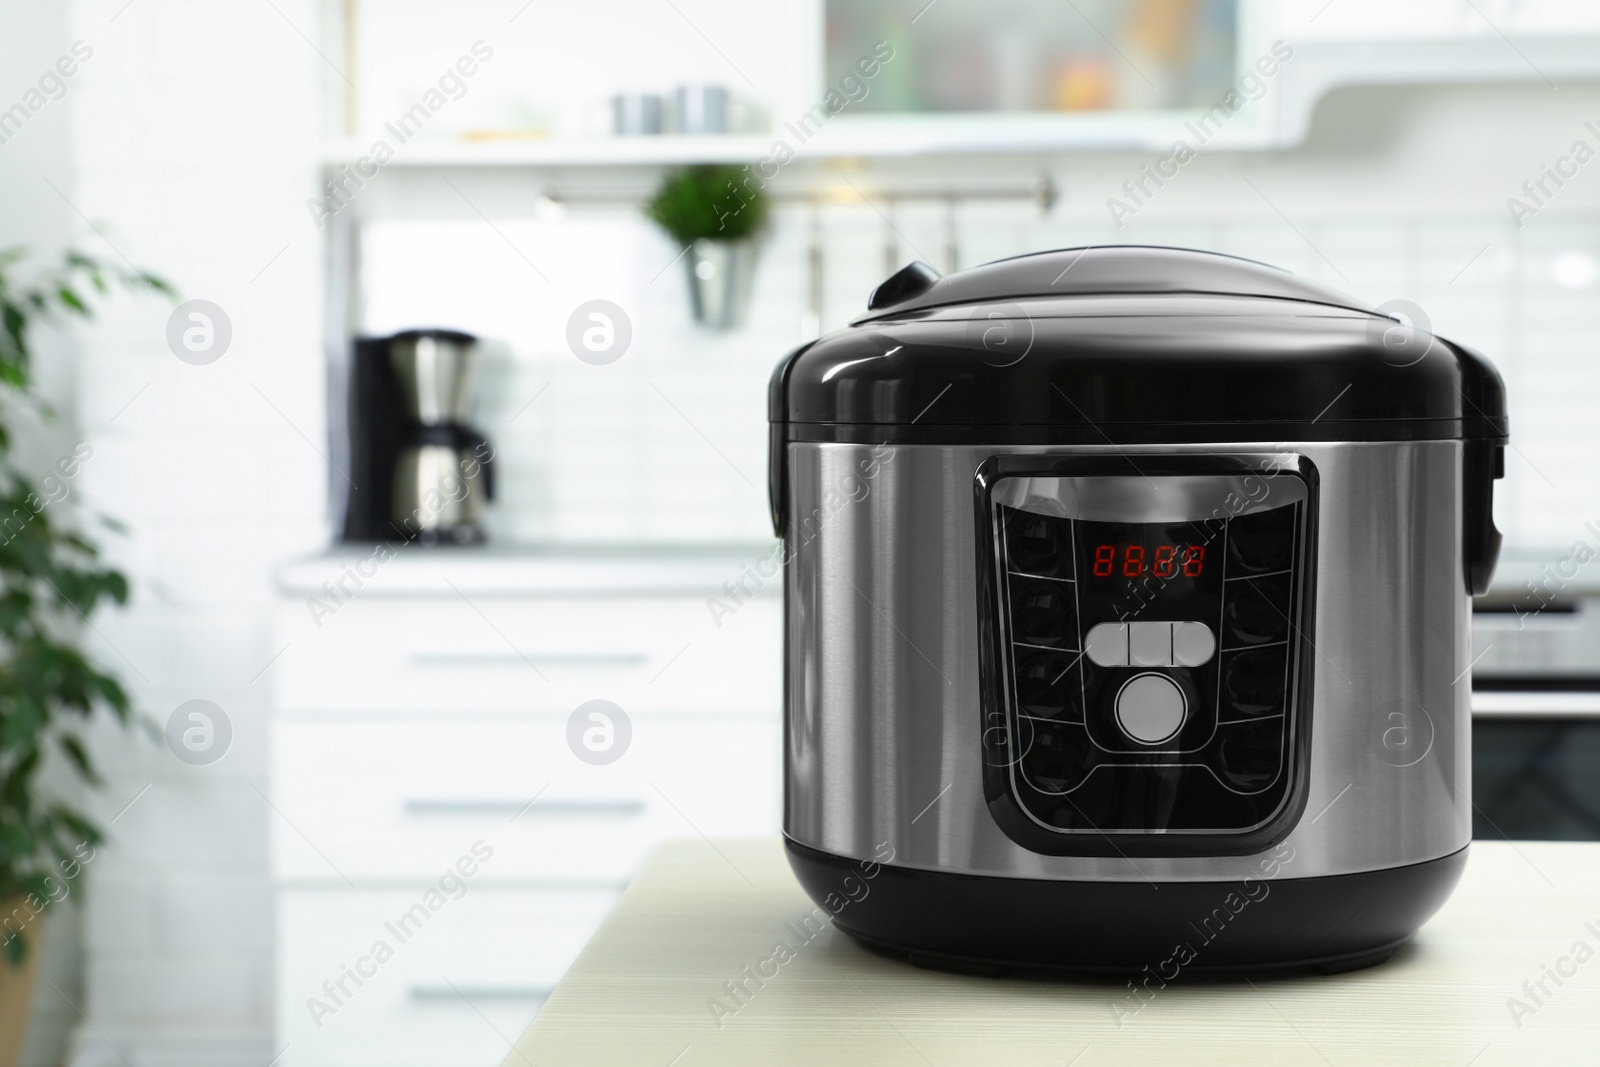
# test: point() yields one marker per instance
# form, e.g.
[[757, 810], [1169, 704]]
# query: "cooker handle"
[[776, 489], [1483, 463], [911, 280], [482, 455], [777, 437]]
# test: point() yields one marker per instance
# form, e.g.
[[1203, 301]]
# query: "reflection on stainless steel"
[[435, 374], [432, 491], [1161, 498], [895, 716]]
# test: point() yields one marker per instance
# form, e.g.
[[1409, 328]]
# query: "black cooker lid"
[[1126, 345]]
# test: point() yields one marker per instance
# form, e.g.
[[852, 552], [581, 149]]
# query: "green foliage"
[[714, 202], [50, 578]]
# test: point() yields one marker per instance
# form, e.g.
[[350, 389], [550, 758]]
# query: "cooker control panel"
[[1148, 648]]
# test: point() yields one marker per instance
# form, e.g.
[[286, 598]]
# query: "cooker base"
[[991, 969], [989, 925]]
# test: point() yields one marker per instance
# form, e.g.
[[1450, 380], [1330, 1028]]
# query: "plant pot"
[[17, 983], [720, 275]]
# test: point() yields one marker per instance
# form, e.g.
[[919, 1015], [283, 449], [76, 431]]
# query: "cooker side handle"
[[777, 437], [776, 476], [1484, 462]]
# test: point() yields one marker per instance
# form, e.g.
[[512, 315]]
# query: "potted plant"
[[714, 212], [50, 579]]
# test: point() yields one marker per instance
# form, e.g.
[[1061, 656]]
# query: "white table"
[[642, 993]]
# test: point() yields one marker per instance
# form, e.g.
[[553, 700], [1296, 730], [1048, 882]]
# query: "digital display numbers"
[[1159, 561]]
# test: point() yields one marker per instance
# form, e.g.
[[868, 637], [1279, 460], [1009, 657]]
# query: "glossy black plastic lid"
[[1129, 344]]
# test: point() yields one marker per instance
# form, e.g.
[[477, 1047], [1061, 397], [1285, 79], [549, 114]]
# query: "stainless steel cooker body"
[[1127, 614], [885, 742]]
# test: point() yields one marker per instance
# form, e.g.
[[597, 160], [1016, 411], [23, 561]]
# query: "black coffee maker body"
[[419, 472]]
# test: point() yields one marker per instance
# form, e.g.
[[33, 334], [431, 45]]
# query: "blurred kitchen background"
[[391, 714]]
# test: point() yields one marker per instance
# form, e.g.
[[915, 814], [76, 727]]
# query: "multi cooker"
[[1127, 603]]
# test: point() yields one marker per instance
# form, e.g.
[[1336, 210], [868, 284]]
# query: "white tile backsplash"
[[208, 991], [187, 824], [659, 445], [189, 913], [197, 130]]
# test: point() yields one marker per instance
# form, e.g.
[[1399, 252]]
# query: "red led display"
[[1130, 561]]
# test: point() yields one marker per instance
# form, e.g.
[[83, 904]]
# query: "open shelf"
[[662, 150]]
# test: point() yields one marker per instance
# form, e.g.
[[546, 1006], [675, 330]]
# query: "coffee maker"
[[419, 471]]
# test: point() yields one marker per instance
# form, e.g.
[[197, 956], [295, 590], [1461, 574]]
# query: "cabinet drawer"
[[491, 951], [432, 655], [363, 799]]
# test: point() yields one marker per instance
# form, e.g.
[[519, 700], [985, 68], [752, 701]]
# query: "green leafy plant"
[[51, 578], [710, 203]]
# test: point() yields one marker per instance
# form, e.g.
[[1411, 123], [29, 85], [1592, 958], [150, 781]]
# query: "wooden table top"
[[656, 985]]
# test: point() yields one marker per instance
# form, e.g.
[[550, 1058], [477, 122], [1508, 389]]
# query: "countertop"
[[650, 988], [410, 570]]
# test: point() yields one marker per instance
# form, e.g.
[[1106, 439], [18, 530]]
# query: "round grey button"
[[1150, 708]]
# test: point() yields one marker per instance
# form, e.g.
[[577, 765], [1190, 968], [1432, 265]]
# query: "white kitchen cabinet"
[[404, 799], [421, 767], [532, 656], [492, 951], [557, 99], [1379, 20]]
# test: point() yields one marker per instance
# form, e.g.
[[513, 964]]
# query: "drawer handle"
[[513, 659], [476, 993], [616, 809]]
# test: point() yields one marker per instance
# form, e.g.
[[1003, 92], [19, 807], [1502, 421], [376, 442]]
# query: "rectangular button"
[[1150, 644], [1192, 644], [1107, 644]]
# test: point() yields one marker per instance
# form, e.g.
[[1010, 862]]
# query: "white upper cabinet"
[[1385, 20], [500, 81]]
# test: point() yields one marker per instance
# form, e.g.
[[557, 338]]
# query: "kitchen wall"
[[38, 218], [196, 137], [196, 130]]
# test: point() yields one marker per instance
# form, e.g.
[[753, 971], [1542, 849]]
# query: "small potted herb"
[[715, 212]]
